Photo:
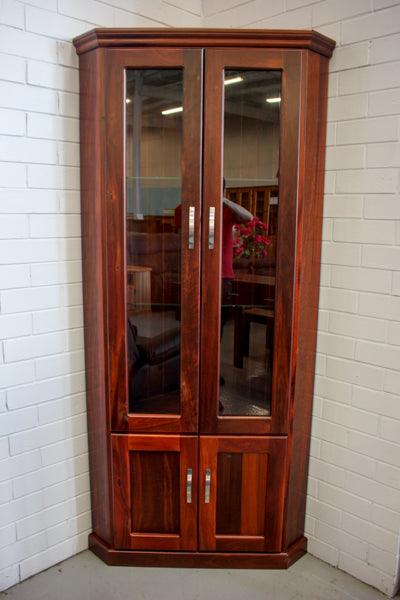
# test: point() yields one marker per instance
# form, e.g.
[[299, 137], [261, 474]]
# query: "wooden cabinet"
[[202, 168], [155, 492], [241, 493]]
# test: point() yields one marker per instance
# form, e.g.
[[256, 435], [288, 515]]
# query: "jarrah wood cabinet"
[[201, 317]]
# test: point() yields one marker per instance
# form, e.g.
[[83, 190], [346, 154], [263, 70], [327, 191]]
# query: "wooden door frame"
[[116, 62], [186, 446], [289, 63], [276, 449]]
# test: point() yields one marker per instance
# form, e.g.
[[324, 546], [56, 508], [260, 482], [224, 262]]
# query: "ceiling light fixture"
[[171, 111], [273, 100]]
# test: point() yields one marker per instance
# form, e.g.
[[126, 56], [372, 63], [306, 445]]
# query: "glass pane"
[[153, 241], [249, 230]]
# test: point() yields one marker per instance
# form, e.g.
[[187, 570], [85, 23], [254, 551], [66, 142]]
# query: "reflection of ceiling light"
[[178, 109], [171, 111], [128, 100], [231, 80], [273, 100]]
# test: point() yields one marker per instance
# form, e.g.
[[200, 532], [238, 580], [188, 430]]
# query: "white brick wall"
[[354, 485]]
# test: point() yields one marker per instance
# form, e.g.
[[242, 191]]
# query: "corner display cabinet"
[[202, 170]]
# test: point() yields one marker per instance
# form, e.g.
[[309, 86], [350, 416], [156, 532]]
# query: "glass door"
[[250, 178], [153, 108]]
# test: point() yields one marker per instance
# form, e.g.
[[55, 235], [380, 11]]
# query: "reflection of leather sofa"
[[154, 363], [161, 252]]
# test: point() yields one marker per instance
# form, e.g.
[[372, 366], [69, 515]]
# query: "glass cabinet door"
[[247, 270], [156, 104]]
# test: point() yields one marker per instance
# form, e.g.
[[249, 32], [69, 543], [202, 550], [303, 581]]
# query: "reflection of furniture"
[[138, 287], [197, 488], [150, 224], [250, 290], [159, 252], [253, 289], [243, 319], [261, 201], [154, 364]]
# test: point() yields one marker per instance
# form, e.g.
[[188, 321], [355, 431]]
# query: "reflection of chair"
[[160, 253], [154, 363], [243, 319]]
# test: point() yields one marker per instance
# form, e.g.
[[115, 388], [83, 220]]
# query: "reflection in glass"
[[153, 196], [249, 230]]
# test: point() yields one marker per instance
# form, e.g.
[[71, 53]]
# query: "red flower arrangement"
[[251, 239]]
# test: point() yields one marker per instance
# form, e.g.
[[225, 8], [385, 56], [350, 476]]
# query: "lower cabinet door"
[[241, 492], [155, 492]]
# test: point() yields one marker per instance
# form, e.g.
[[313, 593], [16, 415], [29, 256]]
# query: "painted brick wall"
[[354, 486]]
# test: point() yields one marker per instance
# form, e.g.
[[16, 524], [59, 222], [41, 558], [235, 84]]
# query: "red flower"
[[251, 239]]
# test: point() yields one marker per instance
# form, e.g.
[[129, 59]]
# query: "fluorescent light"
[[231, 80], [128, 100], [178, 109], [171, 111], [273, 100]]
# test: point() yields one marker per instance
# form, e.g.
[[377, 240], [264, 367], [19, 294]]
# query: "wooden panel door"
[[153, 125], [241, 493], [251, 136], [155, 492]]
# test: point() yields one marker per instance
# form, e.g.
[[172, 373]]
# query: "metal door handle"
[[191, 227], [211, 227], [207, 487], [189, 478]]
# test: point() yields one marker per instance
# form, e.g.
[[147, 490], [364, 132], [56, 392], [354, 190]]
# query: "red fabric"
[[228, 221], [178, 216]]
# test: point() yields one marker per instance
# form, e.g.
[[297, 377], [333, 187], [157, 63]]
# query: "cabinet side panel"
[[310, 206], [94, 286]]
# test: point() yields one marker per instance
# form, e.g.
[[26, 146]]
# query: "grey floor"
[[85, 577]]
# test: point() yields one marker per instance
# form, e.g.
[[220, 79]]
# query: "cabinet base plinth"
[[217, 560]]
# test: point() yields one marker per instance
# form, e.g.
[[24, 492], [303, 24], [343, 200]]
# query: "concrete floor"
[[85, 577]]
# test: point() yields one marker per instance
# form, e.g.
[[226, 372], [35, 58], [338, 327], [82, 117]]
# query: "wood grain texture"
[[257, 529], [151, 511], [228, 501], [155, 484], [268, 38], [248, 477], [313, 111], [205, 560], [94, 247]]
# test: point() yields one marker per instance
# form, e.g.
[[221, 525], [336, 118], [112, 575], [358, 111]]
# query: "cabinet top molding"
[[198, 37]]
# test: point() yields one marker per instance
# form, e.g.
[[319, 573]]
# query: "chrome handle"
[[207, 487], [189, 477], [191, 227], [211, 227]]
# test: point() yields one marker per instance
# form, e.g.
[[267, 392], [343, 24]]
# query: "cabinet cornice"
[[207, 38]]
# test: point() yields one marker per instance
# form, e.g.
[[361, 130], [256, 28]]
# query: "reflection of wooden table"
[[138, 287], [252, 278], [250, 290], [254, 302]]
